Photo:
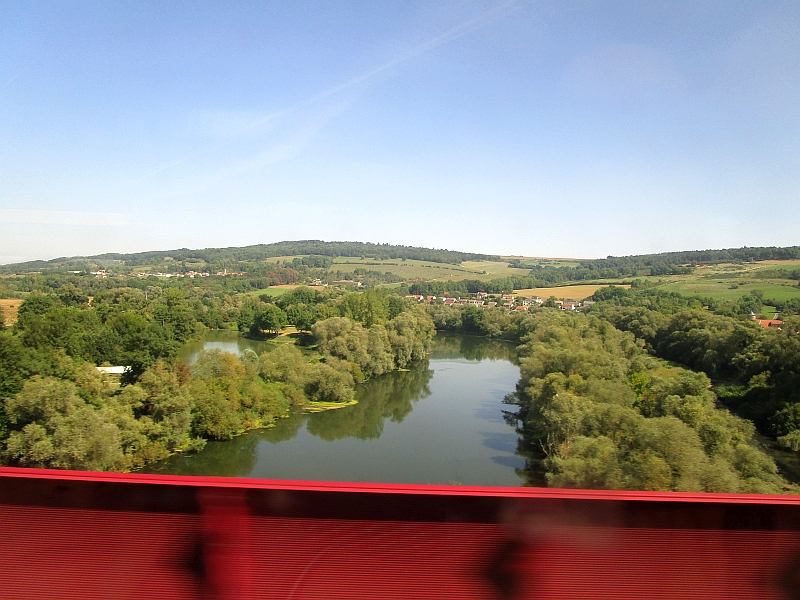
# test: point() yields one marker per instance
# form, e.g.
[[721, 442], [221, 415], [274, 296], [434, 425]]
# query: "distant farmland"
[[482, 270], [573, 292], [725, 290]]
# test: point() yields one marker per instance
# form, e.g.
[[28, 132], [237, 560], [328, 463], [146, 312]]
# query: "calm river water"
[[441, 422]]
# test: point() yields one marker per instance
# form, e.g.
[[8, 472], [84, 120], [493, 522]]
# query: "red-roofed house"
[[774, 323]]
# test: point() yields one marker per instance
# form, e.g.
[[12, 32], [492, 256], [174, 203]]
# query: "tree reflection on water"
[[232, 458], [389, 396], [451, 346]]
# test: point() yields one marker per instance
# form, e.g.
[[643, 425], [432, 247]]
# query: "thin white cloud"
[[62, 217], [450, 35]]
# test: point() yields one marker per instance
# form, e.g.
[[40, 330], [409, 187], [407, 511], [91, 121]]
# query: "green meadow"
[[723, 289]]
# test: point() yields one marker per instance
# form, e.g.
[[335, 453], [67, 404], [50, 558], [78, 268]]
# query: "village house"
[[570, 305], [773, 323], [770, 323]]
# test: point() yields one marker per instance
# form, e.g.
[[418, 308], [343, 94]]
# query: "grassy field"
[[274, 259], [742, 270], [721, 289], [768, 312], [780, 263], [10, 307], [482, 270], [275, 290], [546, 262], [430, 271], [572, 292]]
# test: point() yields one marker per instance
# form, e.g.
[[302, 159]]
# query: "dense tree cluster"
[[596, 411], [59, 411], [378, 347], [496, 323], [85, 419], [643, 296], [304, 306], [763, 364]]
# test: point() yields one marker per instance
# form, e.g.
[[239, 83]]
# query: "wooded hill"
[[666, 263], [234, 256]]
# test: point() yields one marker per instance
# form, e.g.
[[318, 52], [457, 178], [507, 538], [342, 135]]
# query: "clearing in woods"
[[275, 290], [9, 308]]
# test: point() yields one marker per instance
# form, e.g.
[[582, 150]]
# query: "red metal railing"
[[70, 534]]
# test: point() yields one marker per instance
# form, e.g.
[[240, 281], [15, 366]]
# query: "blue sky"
[[536, 128]]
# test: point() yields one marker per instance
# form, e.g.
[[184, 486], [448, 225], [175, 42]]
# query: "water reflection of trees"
[[233, 458], [285, 429], [448, 346], [389, 396]]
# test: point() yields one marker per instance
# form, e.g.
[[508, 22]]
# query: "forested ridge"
[[317, 254], [221, 257], [665, 263]]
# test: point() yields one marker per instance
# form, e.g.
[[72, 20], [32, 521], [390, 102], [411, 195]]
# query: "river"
[[440, 422]]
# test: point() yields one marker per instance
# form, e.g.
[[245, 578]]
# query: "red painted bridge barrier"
[[66, 534]]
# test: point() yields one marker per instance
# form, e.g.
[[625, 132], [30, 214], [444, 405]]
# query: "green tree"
[[301, 316], [368, 308], [71, 296], [323, 383], [54, 427], [473, 320], [270, 318]]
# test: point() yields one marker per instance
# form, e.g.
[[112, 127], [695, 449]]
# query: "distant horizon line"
[[5, 262]]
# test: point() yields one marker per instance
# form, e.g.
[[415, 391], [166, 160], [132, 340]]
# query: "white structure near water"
[[118, 370]]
